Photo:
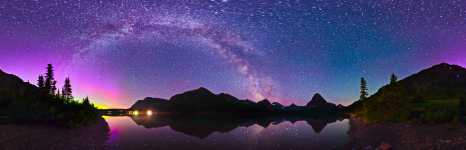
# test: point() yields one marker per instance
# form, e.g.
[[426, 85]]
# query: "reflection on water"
[[142, 132]]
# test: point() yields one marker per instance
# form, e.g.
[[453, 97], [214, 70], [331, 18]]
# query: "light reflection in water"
[[157, 133]]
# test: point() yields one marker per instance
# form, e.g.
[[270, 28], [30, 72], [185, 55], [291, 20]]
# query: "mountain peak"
[[445, 66], [202, 90], [265, 101], [200, 95], [199, 91], [438, 75], [227, 97], [317, 100], [154, 99], [277, 104]]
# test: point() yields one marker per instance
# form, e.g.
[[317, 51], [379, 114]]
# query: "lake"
[[205, 133], [151, 132]]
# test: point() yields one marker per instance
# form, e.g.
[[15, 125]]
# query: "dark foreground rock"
[[406, 136], [23, 102], [37, 137], [433, 95]]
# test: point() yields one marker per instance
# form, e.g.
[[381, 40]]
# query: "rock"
[[443, 82], [13, 88], [384, 146], [369, 147]]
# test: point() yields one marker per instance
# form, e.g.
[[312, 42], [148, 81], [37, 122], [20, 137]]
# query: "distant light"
[[149, 112], [135, 113]]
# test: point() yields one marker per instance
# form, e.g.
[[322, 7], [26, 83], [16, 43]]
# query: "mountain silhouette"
[[158, 104], [16, 97], [202, 100], [200, 95], [432, 95], [319, 103], [13, 88], [23, 102], [317, 100]]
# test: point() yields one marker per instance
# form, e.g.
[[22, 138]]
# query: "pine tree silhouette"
[[67, 91], [40, 82], [86, 101], [50, 82], [393, 78], [62, 94], [59, 94], [364, 92]]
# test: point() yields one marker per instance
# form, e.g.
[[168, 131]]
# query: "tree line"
[[47, 84], [364, 89]]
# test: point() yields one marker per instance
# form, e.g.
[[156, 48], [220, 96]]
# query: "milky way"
[[284, 50], [151, 29]]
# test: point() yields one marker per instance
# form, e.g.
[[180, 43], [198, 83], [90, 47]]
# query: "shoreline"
[[361, 136], [23, 136], [406, 135]]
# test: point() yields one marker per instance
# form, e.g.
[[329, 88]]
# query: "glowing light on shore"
[[149, 112], [135, 113], [100, 106]]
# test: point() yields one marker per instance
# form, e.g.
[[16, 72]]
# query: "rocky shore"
[[406, 136], [27, 137]]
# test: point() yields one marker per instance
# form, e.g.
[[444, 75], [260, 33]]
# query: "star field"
[[284, 50]]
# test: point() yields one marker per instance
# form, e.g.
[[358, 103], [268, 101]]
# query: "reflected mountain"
[[318, 125], [203, 126], [200, 113]]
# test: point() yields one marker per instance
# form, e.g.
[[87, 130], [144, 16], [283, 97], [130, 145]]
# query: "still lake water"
[[150, 132]]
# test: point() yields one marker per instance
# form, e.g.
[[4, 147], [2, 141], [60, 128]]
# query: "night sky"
[[119, 51]]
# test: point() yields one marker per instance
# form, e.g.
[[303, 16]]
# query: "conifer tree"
[[67, 91], [393, 78], [364, 92], [86, 101], [40, 82], [62, 94], [54, 88], [59, 95], [49, 84]]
